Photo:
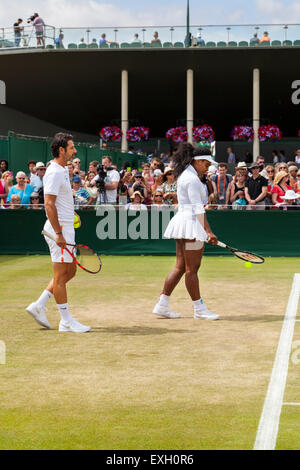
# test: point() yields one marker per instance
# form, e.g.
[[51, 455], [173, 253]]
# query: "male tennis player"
[[59, 207]]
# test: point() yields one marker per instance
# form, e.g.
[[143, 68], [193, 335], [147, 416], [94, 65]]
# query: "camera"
[[30, 19], [140, 189], [102, 173], [123, 189]]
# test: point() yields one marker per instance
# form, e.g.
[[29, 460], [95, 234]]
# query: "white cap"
[[208, 158], [157, 172], [40, 165]]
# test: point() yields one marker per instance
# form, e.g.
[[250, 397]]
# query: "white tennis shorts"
[[58, 255]]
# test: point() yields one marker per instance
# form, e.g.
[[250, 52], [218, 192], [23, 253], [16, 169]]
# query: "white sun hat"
[[290, 195]]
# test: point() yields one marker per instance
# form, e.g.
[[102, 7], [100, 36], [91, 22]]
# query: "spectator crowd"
[[255, 186]]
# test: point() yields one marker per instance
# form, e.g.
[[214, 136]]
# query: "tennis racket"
[[244, 255], [83, 256]]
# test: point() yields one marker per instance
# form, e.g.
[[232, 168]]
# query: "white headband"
[[205, 157]]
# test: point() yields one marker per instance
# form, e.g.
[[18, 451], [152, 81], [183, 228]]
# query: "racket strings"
[[87, 258], [249, 257]]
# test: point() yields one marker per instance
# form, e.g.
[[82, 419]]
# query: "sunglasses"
[[298, 174], [270, 171], [282, 168], [158, 195], [34, 198]]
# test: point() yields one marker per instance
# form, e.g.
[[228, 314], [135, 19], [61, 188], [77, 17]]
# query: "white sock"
[[199, 304], [45, 296], [64, 312], [164, 300]]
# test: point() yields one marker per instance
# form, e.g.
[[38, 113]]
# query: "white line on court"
[[291, 404], [269, 421]]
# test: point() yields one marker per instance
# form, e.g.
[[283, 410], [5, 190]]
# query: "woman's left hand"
[[212, 238]]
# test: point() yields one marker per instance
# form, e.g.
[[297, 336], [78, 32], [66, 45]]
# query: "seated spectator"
[[297, 156], [265, 37], [94, 41], [222, 181], [212, 203], [15, 202], [138, 185], [158, 200], [293, 171], [31, 168], [3, 165], [82, 198], [200, 40], [59, 42], [169, 187], [136, 202], [271, 175], [237, 191], [136, 39], [280, 187], [155, 38], [290, 201], [35, 202], [256, 188], [103, 40], [254, 39], [22, 188]]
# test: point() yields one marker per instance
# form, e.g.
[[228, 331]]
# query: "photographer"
[[107, 181], [138, 185], [38, 24]]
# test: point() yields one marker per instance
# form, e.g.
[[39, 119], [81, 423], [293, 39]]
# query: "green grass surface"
[[137, 381]]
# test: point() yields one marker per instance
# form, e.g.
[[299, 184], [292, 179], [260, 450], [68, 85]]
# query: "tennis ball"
[[248, 265], [76, 222]]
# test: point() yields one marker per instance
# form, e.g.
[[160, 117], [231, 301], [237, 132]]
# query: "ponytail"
[[184, 156]]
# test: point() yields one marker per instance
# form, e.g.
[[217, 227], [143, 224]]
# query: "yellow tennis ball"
[[76, 222], [248, 265]]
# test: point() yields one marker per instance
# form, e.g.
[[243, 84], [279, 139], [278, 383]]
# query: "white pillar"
[[190, 103], [256, 112], [124, 109]]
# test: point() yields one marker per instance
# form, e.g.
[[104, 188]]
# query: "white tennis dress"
[[191, 195]]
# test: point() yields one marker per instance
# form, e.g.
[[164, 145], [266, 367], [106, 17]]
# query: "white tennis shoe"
[[205, 314], [38, 313], [73, 326], [165, 312]]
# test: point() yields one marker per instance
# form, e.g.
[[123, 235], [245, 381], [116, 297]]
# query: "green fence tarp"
[[269, 233]]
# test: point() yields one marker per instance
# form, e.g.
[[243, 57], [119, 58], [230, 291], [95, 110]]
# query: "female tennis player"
[[190, 228], [59, 207]]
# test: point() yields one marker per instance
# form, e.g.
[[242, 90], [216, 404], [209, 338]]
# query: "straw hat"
[[137, 193], [279, 176]]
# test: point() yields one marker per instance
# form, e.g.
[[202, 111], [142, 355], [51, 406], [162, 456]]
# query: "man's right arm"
[[53, 219]]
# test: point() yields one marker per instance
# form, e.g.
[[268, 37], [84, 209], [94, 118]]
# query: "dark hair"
[[6, 163], [60, 140], [222, 165], [30, 162], [108, 157], [184, 156]]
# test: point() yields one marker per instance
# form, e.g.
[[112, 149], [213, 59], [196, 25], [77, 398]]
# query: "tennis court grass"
[[137, 381]]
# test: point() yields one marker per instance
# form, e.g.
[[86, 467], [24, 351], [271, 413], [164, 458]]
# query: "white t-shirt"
[[111, 194], [57, 182]]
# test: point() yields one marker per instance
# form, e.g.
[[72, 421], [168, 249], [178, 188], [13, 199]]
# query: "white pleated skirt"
[[185, 226]]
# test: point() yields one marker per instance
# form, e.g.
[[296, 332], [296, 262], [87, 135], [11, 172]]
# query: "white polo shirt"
[[57, 182]]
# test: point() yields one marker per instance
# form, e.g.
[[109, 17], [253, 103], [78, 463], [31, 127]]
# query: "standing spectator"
[[59, 41], [254, 40], [297, 156], [271, 175], [31, 168], [248, 157], [261, 162], [154, 165], [256, 188], [222, 182], [3, 165], [237, 191], [15, 202], [282, 157], [231, 156], [111, 182], [77, 163], [22, 188], [39, 24], [93, 166], [155, 38], [17, 31], [200, 40], [158, 181], [71, 168], [36, 180], [242, 168], [293, 171], [138, 184], [265, 37], [92, 190], [136, 39], [169, 187], [3, 193], [7, 180], [275, 157], [280, 187]]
